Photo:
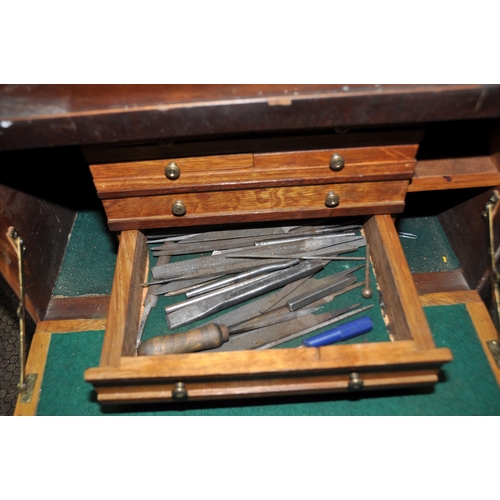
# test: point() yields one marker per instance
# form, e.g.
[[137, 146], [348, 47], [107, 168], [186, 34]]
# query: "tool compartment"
[[269, 185], [408, 357]]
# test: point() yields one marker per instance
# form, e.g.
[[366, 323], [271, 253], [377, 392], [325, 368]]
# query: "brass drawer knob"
[[332, 199], [178, 208], [336, 162], [172, 171], [355, 382], [179, 391]]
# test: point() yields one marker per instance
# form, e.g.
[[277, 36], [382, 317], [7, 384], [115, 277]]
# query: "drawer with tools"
[[255, 186], [263, 310]]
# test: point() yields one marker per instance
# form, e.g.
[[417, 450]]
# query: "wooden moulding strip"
[[245, 364], [406, 316], [91, 306], [265, 388], [253, 178], [455, 173], [35, 365], [125, 302], [39, 350], [434, 282], [478, 313]]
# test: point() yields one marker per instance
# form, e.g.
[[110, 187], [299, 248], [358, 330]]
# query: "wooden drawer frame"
[[255, 187], [409, 359]]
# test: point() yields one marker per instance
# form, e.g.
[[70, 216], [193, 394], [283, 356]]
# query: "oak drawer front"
[[408, 357], [228, 172], [267, 204]]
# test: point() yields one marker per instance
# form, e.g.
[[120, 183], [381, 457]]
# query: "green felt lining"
[[90, 258], [431, 251], [89, 262], [157, 323], [467, 386]]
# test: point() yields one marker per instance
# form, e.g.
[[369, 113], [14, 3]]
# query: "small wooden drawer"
[[227, 172], [408, 357], [257, 187], [265, 204]]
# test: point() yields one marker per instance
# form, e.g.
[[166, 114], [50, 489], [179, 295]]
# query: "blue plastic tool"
[[342, 332]]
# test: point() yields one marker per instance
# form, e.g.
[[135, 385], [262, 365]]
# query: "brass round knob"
[[172, 171], [355, 381], [178, 208], [332, 199], [179, 391], [336, 162]]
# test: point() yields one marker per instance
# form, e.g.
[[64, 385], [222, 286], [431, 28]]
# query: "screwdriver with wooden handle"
[[212, 335]]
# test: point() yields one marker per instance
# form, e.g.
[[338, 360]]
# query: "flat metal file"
[[298, 334], [183, 248], [296, 303], [331, 251], [252, 308], [199, 339], [220, 302], [258, 271], [256, 338], [222, 264], [176, 287], [313, 286], [197, 286], [271, 318], [214, 293], [326, 243], [206, 267]]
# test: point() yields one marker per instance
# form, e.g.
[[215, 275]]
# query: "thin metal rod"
[[294, 256], [313, 328]]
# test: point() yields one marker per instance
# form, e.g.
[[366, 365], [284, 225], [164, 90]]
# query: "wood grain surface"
[[254, 205], [125, 302], [42, 225], [56, 115], [88, 306], [454, 173], [444, 281], [275, 387], [35, 364], [216, 173], [267, 373], [406, 316]]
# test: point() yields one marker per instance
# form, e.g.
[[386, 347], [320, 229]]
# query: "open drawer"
[[407, 357]]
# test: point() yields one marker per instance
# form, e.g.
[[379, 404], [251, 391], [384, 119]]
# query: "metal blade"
[[263, 336], [301, 333], [271, 318], [220, 302], [261, 270]]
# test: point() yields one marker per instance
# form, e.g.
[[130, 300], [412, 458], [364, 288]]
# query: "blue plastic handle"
[[342, 332]]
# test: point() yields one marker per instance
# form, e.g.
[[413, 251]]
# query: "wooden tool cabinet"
[[249, 187], [206, 156]]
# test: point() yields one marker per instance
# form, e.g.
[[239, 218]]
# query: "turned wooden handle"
[[199, 339]]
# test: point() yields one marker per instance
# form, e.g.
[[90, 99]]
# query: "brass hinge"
[[26, 384], [488, 216]]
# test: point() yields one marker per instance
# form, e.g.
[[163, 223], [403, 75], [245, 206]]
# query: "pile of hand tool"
[[245, 264]]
